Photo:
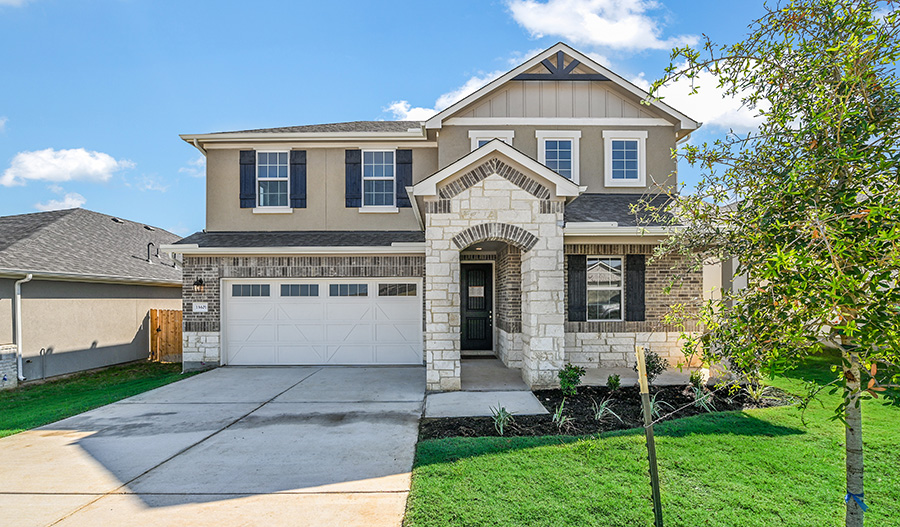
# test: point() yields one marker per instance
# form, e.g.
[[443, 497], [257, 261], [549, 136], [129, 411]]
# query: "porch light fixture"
[[198, 285]]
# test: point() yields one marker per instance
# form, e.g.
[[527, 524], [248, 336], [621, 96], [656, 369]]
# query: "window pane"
[[282, 158], [604, 272], [396, 289], [482, 142], [624, 159], [558, 156], [273, 193], [604, 305]]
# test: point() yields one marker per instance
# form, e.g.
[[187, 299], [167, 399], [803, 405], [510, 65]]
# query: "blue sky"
[[94, 93]]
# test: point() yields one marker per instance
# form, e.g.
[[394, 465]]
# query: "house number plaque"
[[476, 291], [200, 307]]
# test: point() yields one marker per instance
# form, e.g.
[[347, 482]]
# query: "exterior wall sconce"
[[198, 285]]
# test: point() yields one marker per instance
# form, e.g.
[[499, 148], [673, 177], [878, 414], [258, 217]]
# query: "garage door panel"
[[306, 311], [398, 354], [351, 354], [310, 330]]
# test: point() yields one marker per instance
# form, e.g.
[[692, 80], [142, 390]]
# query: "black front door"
[[477, 287]]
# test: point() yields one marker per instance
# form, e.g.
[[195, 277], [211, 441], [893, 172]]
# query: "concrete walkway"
[[486, 384], [234, 446]]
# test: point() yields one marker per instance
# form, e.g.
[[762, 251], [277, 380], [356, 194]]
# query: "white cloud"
[[195, 167], [147, 182], [618, 24], [709, 105], [13, 3], [403, 111], [71, 200], [3, 121], [76, 164]]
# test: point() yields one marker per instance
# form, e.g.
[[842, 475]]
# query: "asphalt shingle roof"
[[351, 126], [302, 238], [611, 207], [84, 243]]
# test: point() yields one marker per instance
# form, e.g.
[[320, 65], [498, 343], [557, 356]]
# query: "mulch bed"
[[625, 402]]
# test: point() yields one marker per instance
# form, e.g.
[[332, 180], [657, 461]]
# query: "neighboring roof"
[[79, 243], [562, 186], [686, 123], [608, 208], [301, 238], [351, 126]]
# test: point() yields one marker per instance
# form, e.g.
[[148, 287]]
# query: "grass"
[[751, 468], [39, 404]]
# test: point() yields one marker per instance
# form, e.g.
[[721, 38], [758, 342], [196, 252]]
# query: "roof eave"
[[397, 248], [278, 137], [88, 277]]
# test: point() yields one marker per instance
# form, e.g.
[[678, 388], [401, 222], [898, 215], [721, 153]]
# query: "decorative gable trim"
[[559, 72], [485, 161], [502, 232], [494, 166]]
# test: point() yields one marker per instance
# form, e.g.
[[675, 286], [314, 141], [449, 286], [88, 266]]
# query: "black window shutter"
[[576, 265], [634, 287], [298, 179], [248, 179], [404, 176], [353, 178]]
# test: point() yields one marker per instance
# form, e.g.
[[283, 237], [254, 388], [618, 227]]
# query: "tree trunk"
[[853, 433]]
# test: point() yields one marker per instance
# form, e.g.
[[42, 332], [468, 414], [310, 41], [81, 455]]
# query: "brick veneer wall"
[[9, 368], [509, 289]]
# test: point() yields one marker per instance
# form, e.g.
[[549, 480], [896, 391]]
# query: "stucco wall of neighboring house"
[[325, 205], [81, 325], [454, 143]]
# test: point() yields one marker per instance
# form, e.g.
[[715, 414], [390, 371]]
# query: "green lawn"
[[753, 468], [39, 404]]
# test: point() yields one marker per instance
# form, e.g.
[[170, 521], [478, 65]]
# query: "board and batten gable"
[[325, 192]]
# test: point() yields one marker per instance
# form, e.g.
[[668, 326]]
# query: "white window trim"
[[481, 135], [608, 137], [362, 186], [620, 289], [273, 209], [573, 135]]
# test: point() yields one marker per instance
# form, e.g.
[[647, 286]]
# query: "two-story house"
[[501, 226]]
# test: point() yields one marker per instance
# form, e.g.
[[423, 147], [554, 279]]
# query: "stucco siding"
[[325, 205], [80, 325], [454, 143]]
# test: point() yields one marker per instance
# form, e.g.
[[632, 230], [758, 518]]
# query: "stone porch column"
[[442, 315], [543, 309]]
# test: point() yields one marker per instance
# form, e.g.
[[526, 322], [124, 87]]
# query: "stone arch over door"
[[503, 232]]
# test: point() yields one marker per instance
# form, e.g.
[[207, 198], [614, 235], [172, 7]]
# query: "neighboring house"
[[94, 279], [502, 225]]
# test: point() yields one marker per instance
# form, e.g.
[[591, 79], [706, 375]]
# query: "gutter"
[[18, 329], [100, 279]]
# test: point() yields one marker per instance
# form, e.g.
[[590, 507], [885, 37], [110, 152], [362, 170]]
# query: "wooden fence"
[[165, 335]]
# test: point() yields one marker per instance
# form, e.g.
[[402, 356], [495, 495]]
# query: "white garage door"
[[296, 322]]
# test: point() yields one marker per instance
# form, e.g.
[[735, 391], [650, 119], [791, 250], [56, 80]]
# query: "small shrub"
[[502, 417], [655, 365], [703, 399], [570, 378], [613, 382], [697, 379], [656, 407], [602, 411], [559, 418]]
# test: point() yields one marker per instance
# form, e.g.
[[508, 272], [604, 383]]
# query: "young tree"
[[808, 204]]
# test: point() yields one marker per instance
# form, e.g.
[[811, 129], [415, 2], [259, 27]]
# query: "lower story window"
[[348, 290], [250, 290], [604, 288]]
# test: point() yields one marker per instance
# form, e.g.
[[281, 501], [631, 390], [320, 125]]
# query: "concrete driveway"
[[233, 446]]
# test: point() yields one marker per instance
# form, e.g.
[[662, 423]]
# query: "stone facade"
[[201, 332], [616, 349], [499, 203], [9, 368]]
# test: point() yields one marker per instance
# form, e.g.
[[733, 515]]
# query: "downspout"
[[19, 283]]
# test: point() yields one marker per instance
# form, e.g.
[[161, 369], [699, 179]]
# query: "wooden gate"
[[165, 335]]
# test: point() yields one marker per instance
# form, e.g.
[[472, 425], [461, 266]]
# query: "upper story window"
[[625, 156], [272, 179], [378, 171], [480, 138], [558, 149]]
